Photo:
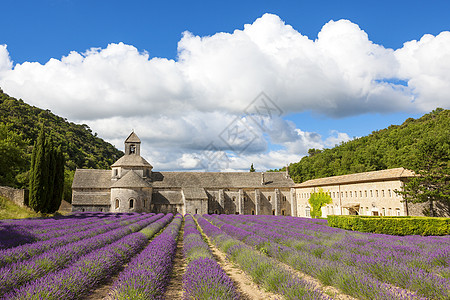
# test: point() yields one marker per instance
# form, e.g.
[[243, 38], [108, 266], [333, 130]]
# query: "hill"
[[19, 128], [392, 147]]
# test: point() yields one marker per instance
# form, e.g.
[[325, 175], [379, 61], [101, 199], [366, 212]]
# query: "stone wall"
[[18, 196]]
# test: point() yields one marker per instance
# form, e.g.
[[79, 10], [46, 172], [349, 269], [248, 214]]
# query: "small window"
[[131, 203], [116, 172], [365, 192], [273, 212], [356, 194], [269, 198], [389, 192], [283, 212], [284, 198], [144, 203], [334, 194], [377, 193], [216, 212], [384, 211], [117, 204], [196, 211], [350, 193], [234, 199], [132, 149], [397, 211], [360, 194], [371, 193], [346, 195], [308, 211], [382, 193], [253, 212]]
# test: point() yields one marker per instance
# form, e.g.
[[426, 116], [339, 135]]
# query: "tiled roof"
[[132, 138], [130, 180], [381, 175], [132, 160], [92, 178], [89, 178], [194, 193], [220, 179]]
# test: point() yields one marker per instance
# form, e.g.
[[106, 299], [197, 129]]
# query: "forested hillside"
[[395, 146], [19, 127]]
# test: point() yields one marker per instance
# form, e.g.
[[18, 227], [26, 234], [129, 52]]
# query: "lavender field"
[[133, 256]]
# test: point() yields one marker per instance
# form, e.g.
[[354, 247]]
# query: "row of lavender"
[[204, 278], [363, 265], [265, 271], [64, 270], [19, 232]]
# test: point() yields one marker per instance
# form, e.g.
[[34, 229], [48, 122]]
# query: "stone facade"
[[369, 193], [132, 186]]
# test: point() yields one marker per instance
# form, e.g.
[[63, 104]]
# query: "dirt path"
[[175, 288], [244, 284], [102, 291]]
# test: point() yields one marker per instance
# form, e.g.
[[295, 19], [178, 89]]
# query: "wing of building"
[[369, 193], [132, 185]]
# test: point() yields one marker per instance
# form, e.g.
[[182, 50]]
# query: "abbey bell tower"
[[132, 145]]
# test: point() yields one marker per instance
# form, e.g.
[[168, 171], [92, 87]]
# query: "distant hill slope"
[[82, 149], [387, 148]]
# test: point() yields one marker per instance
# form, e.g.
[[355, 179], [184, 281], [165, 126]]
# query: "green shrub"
[[392, 225]]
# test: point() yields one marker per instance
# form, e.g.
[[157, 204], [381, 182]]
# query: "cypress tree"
[[39, 174], [46, 175], [58, 185], [51, 165]]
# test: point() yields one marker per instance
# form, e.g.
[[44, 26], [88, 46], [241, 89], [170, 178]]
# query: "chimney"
[[262, 178], [287, 172]]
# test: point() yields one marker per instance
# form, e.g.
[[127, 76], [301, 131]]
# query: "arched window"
[[308, 211], [216, 212], [144, 203], [234, 199], [131, 203], [116, 206], [269, 198], [196, 211], [273, 212], [253, 212]]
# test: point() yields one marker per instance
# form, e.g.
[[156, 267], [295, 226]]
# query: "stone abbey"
[[132, 186]]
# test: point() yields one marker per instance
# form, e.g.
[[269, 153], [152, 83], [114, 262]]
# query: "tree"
[[38, 175], [252, 169], [46, 175], [12, 155], [432, 167], [317, 200]]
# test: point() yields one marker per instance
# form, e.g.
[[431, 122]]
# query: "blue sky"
[[188, 87]]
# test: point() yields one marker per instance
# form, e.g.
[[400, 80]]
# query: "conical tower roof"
[[130, 180], [132, 138]]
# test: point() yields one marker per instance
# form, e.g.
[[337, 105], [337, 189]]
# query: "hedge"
[[392, 225]]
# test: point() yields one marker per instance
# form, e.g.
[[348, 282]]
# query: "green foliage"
[[19, 129], [317, 200], [13, 158], [433, 168], [46, 175], [252, 169], [392, 225], [388, 148]]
